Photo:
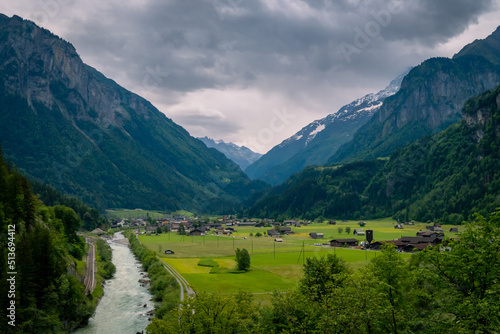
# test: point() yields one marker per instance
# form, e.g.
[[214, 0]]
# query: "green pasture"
[[208, 262], [132, 213]]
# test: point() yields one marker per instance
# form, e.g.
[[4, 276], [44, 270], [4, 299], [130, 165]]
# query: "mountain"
[[319, 140], [430, 100], [65, 124], [446, 177], [241, 155]]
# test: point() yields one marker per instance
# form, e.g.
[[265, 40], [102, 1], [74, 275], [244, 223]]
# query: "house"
[[398, 226], [344, 242], [377, 245], [151, 228], [430, 234], [286, 229], [358, 231], [332, 222], [214, 225], [196, 232], [261, 224], [168, 251], [290, 222], [454, 229], [273, 233], [248, 223], [316, 235]]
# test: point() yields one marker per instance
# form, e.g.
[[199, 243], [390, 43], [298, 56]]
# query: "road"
[[184, 285], [89, 280]]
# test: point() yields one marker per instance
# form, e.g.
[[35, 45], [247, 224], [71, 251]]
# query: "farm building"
[[454, 229], [273, 233], [344, 242], [358, 231], [316, 235]]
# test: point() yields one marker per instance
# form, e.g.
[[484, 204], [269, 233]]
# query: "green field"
[[132, 213], [274, 265]]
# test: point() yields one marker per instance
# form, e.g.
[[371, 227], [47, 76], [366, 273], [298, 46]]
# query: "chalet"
[[454, 229], [273, 233], [430, 234], [303, 223], [358, 231], [196, 232], [214, 225], [229, 229], [290, 222], [286, 230], [344, 242], [398, 226], [168, 251], [316, 235], [297, 224], [377, 245], [410, 244], [151, 228], [332, 222], [250, 223], [261, 224]]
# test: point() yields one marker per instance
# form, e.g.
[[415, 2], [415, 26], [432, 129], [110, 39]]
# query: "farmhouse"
[[344, 242], [273, 233], [316, 235], [196, 232], [332, 222], [286, 229], [454, 229], [430, 234]]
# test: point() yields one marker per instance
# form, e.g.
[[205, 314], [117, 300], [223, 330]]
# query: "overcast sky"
[[256, 71]]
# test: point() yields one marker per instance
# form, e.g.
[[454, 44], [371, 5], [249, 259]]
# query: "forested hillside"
[[39, 250], [446, 177]]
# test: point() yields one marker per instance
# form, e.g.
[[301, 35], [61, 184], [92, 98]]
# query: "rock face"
[[430, 99], [64, 123], [241, 155], [319, 140]]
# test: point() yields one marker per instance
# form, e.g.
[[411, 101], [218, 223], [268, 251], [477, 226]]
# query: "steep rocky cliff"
[[430, 99], [64, 123]]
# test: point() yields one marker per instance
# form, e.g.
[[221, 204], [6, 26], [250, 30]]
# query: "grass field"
[[274, 266]]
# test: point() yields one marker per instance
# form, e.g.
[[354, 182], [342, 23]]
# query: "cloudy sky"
[[256, 71]]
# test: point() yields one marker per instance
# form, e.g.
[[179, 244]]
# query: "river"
[[121, 308]]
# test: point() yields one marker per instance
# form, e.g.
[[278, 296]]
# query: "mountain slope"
[[430, 100], [319, 140], [241, 155], [64, 123], [446, 177]]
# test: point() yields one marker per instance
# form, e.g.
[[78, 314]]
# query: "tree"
[[258, 234], [347, 230], [242, 259], [322, 275], [340, 229]]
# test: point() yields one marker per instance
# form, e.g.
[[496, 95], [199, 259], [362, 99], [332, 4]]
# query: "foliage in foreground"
[[49, 298], [450, 289]]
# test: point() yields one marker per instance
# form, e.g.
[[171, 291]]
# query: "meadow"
[[274, 265]]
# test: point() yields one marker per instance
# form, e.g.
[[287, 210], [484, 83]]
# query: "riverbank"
[[126, 302]]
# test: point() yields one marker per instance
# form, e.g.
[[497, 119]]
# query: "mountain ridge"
[[87, 136], [430, 99], [319, 140], [241, 155]]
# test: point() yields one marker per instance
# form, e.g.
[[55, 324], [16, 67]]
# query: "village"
[[227, 225]]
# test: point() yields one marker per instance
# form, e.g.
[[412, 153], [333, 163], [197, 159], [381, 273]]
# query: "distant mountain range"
[[446, 177], [65, 124], [425, 174], [241, 155], [315, 143]]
